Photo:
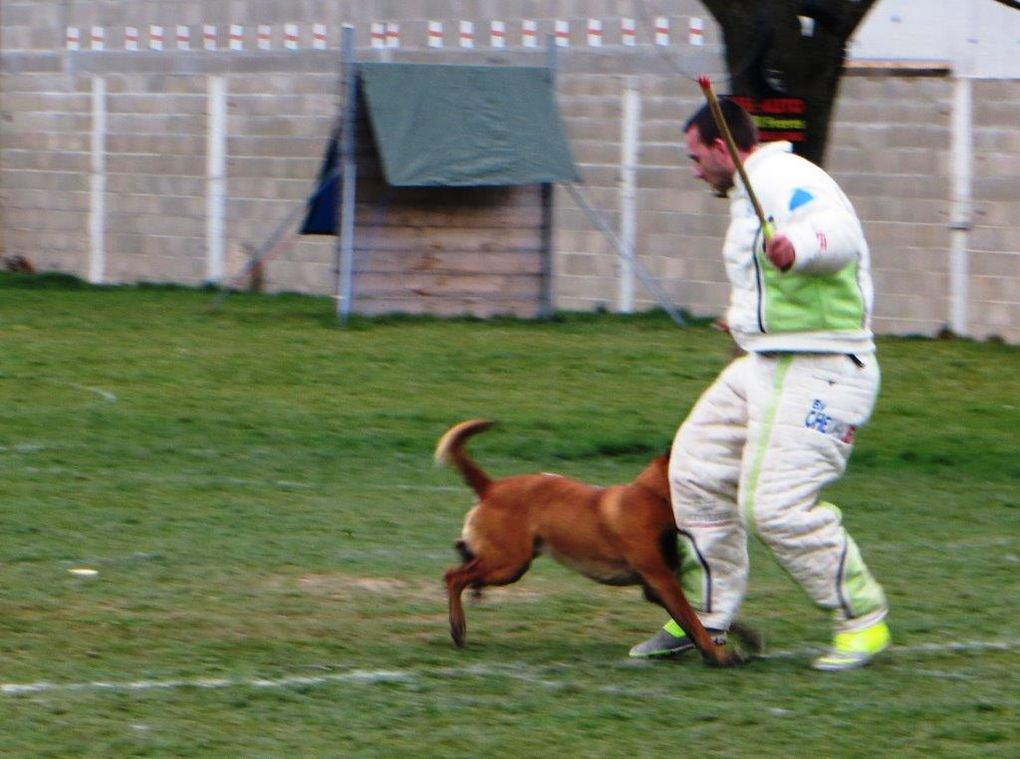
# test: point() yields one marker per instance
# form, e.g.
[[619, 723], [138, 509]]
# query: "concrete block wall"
[[994, 255], [889, 148]]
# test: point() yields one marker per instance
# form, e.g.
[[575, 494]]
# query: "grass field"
[[255, 489]]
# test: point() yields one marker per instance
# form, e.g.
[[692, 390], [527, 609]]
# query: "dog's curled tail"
[[450, 450]]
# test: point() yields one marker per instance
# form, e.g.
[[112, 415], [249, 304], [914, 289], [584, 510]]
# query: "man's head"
[[707, 149]]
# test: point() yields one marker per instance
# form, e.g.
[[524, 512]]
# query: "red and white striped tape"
[[387, 35], [319, 40], [529, 33], [435, 34], [561, 32], [661, 30], [467, 34], [696, 31], [627, 32], [497, 34]]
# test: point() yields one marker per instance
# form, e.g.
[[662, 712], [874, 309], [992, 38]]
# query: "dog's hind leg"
[[456, 580], [476, 574]]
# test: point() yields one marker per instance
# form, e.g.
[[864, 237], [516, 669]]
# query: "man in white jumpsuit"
[[778, 424]]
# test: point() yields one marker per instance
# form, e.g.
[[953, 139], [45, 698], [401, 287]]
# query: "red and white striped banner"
[[387, 35], [435, 34], [467, 34], [627, 32], [319, 37], [529, 33], [561, 32], [497, 34], [696, 31], [661, 30]]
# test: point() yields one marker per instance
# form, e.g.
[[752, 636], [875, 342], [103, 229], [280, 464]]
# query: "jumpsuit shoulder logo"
[[819, 419]]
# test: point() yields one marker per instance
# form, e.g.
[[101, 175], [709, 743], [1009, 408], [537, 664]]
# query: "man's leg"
[[704, 468], [804, 411]]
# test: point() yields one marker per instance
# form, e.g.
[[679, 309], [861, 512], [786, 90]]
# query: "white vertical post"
[[629, 141], [960, 218], [216, 177], [97, 184], [348, 177]]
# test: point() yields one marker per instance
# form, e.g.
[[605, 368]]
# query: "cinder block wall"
[[889, 148]]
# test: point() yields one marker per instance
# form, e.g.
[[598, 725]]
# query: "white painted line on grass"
[[358, 676], [106, 395], [964, 646], [517, 671]]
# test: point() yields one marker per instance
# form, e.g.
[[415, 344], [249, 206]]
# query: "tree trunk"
[[791, 49]]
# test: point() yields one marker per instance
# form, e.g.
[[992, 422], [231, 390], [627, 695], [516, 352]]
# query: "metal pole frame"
[[625, 252], [348, 176]]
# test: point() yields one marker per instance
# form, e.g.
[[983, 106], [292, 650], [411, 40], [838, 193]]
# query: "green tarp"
[[457, 126]]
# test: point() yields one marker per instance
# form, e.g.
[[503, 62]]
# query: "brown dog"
[[620, 535]]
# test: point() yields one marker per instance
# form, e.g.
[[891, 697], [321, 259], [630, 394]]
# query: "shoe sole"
[[846, 664], [668, 653]]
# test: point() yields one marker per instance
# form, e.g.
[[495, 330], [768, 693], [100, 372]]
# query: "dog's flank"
[[619, 535]]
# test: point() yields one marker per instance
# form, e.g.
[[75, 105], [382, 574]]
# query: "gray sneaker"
[[664, 644]]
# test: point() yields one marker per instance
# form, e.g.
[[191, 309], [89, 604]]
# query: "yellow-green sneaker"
[[669, 641], [851, 650]]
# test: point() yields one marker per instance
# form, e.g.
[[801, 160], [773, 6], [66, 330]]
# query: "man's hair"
[[741, 125]]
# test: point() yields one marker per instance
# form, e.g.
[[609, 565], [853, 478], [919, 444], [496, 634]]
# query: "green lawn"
[[255, 488]]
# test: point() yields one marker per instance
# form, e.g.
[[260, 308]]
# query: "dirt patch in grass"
[[338, 585]]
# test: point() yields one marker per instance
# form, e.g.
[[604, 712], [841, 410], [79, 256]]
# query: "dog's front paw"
[[726, 657]]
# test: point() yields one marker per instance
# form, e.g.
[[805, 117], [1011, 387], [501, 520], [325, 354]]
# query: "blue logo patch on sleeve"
[[800, 197]]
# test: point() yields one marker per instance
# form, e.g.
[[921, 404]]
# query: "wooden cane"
[[724, 129]]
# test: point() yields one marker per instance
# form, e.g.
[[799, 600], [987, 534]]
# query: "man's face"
[[711, 163]]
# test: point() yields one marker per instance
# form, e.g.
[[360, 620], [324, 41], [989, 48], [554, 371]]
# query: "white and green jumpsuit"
[[778, 424]]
